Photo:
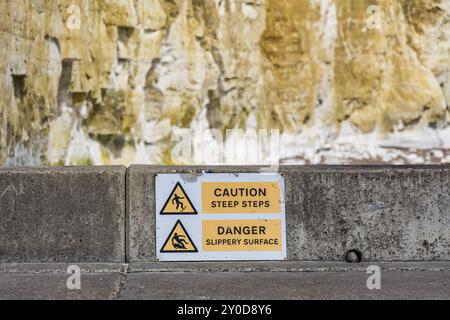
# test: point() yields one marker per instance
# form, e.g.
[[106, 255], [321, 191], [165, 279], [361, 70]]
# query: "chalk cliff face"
[[108, 81]]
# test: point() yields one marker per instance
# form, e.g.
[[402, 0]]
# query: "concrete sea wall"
[[107, 214]]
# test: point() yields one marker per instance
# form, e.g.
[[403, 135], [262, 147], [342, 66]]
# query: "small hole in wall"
[[353, 256]]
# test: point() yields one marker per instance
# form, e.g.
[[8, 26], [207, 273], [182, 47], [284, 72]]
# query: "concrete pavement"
[[240, 281], [285, 285]]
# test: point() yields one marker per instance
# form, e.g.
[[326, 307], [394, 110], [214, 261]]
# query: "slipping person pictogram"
[[178, 241]]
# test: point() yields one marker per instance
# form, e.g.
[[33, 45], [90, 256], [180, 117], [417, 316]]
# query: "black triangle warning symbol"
[[178, 203], [178, 241]]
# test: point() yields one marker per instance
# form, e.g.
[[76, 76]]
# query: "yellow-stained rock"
[[108, 81]]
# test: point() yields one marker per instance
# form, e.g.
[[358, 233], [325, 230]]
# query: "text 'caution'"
[[241, 197]]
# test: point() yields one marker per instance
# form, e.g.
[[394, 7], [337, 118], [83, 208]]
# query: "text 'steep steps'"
[[220, 216]]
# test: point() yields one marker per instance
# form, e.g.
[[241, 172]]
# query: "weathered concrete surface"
[[385, 213], [61, 268], [78, 214], [237, 281], [53, 287], [99, 281], [285, 286], [283, 266], [62, 214]]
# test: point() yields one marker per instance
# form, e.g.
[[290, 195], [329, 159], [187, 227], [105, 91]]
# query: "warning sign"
[[220, 216], [179, 241], [178, 202]]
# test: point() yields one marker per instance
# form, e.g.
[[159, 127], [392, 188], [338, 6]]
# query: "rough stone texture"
[[274, 266], [384, 213], [338, 81], [226, 280], [141, 219], [61, 268], [246, 286], [62, 215], [53, 287]]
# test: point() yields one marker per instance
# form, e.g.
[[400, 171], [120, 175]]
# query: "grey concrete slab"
[[47, 281], [53, 287], [62, 214], [241, 281], [390, 213], [285, 286]]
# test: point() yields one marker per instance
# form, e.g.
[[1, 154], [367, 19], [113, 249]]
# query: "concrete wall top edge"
[[224, 168], [287, 168], [94, 169]]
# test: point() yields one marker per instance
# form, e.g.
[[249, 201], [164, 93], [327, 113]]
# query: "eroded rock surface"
[[108, 81]]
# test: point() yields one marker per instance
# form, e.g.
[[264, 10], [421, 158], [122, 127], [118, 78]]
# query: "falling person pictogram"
[[177, 200], [178, 203], [178, 241]]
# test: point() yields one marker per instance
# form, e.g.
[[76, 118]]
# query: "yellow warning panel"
[[242, 235], [178, 203], [178, 241], [241, 197]]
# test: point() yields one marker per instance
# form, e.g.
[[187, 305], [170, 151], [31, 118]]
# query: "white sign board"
[[220, 216]]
